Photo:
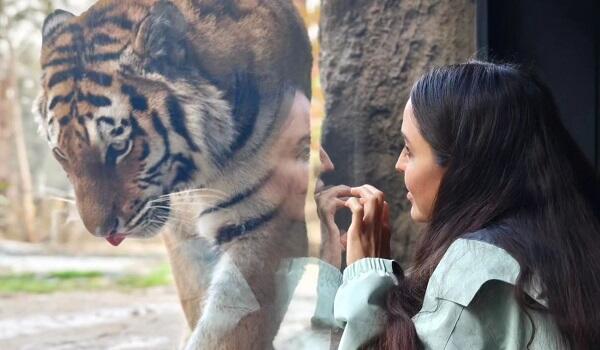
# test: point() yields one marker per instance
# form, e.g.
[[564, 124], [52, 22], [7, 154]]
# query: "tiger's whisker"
[[62, 199], [175, 217], [196, 192], [190, 197], [170, 196], [166, 207], [190, 204], [201, 190]]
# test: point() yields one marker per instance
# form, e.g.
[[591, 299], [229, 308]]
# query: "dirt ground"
[[148, 319], [92, 319], [112, 320]]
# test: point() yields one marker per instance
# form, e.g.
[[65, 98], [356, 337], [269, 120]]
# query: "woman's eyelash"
[[304, 153]]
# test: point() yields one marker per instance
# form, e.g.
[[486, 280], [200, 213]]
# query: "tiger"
[[144, 104]]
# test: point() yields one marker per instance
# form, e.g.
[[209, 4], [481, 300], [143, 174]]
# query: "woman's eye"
[[117, 151], [304, 153], [406, 151]]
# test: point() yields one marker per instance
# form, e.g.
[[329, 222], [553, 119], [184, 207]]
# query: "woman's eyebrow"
[[405, 138], [304, 140]]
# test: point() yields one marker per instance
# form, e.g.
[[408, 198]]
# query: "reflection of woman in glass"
[[510, 256]]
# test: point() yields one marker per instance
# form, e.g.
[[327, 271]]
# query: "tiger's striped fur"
[[142, 99]]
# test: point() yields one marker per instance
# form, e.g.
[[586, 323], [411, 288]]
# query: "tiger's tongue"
[[115, 239]]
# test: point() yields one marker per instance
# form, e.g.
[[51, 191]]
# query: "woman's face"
[[292, 151], [422, 174]]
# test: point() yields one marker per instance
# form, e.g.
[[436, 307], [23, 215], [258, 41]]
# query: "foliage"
[[82, 280], [158, 277]]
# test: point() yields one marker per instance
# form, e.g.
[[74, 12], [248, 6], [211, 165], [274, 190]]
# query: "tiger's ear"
[[53, 22], [160, 38]]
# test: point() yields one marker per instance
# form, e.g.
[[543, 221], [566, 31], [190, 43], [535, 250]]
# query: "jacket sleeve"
[[329, 281], [469, 303], [360, 301]]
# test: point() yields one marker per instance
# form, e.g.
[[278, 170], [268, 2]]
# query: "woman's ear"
[[53, 22], [161, 37]]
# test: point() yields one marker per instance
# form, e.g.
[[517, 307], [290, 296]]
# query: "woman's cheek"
[[408, 177], [295, 194], [297, 173], [292, 177], [411, 181]]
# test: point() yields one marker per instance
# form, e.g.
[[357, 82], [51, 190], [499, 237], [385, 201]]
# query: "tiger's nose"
[[100, 223], [105, 228]]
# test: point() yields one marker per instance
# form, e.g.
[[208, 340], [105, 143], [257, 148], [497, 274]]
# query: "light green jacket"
[[469, 302]]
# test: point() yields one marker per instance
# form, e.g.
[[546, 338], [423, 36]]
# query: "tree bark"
[[6, 130], [25, 178], [371, 54], [10, 108]]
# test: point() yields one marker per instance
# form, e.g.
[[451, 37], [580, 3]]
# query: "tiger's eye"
[[119, 146], [117, 151], [59, 154]]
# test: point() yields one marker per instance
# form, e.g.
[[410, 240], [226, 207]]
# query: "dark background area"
[[558, 39]]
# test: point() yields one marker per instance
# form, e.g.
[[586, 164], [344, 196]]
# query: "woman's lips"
[[320, 185], [409, 196], [116, 238]]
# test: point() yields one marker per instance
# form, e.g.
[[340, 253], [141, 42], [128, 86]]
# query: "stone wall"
[[372, 51]]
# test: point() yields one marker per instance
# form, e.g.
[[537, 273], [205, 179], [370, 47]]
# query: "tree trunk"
[[6, 130], [12, 116], [25, 179], [371, 54]]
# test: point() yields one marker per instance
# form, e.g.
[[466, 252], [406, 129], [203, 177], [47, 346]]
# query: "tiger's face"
[[127, 113]]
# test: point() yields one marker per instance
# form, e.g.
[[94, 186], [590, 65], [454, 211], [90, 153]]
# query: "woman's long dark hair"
[[507, 155]]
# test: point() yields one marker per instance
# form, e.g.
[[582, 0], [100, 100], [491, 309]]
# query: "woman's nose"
[[326, 163], [401, 163]]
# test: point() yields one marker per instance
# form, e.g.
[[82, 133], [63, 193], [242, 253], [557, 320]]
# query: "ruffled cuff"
[[359, 305], [377, 265]]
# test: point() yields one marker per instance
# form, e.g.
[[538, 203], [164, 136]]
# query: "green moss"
[[82, 280], [27, 283], [158, 277], [67, 275]]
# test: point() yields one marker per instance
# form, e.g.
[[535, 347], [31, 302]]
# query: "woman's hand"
[[369, 232], [328, 201]]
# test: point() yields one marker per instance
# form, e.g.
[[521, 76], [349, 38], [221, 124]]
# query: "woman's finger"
[[357, 212], [354, 246], [328, 218], [344, 239], [368, 191], [335, 191], [385, 215], [329, 201], [384, 245], [361, 191], [341, 190], [376, 192], [372, 208]]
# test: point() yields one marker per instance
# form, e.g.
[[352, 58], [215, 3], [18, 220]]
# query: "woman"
[[510, 256]]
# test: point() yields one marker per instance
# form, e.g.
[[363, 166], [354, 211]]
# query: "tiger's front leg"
[[245, 304], [192, 261], [232, 318]]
